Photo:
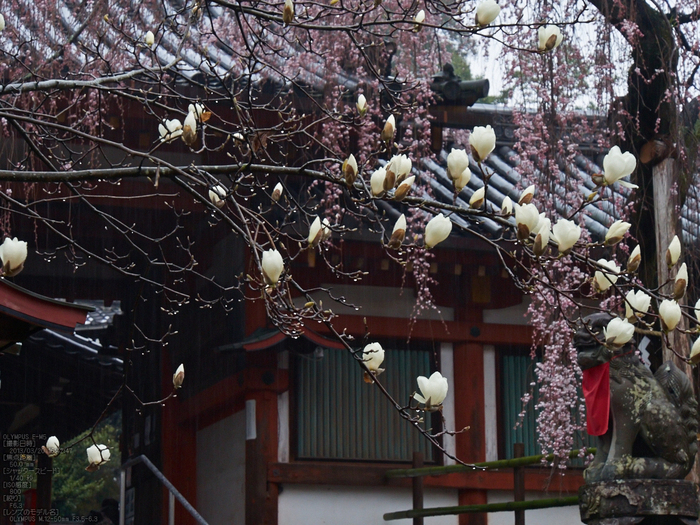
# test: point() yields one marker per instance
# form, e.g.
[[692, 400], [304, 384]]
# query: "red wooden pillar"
[[260, 452], [469, 411]]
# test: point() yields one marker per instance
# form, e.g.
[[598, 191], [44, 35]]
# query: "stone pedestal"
[[639, 501]]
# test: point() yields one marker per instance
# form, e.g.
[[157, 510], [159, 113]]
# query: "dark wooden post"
[[43, 487], [417, 487], [519, 482]]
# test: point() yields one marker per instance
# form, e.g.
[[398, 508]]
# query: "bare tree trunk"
[[666, 218]]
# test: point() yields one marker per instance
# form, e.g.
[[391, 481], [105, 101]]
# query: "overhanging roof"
[[264, 338]]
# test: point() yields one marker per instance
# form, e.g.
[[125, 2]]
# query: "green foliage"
[[77, 491], [461, 66]]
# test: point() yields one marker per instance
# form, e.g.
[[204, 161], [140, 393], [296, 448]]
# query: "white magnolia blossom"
[[376, 182], [697, 311], [13, 253], [2, 23], [673, 252], [566, 233], [179, 375], [419, 19], [217, 196], [196, 109], [189, 129], [549, 37], [319, 231], [695, 352], [482, 141], [400, 166], [463, 180], [618, 332], [52, 447], [670, 312], [636, 304], [288, 12], [634, 259], [277, 192], [97, 454], [149, 38], [404, 188], [272, 266], [618, 165], [361, 105], [603, 279], [373, 356], [437, 230], [433, 390], [507, 206], [616, 232], [389, 129], [527, 217], [486, 12], [477, 198], [457, 163], [170, 130], [527, 195]]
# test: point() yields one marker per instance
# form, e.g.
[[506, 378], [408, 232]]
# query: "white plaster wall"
[[334, 505], [448, 405], [553, 516], [221, 471], [512, 315], [490, 403]]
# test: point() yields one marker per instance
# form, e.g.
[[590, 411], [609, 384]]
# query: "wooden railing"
[[518, 506]]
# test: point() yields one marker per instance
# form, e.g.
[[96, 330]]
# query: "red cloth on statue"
[[596, 391]]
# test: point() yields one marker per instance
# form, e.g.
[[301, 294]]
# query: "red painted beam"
[[447, 331]]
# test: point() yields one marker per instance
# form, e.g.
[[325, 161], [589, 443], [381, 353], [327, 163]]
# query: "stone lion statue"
[[646, 424]]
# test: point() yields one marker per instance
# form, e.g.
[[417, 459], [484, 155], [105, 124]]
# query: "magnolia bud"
[[288, 12], [397, 236], [542, 237], [681, 282], [695, 353], [350, 170], [673, 252], [507, 206], [179, 376], [404, 188], [361, 105], [277, 192], [387, 134], [634, 260], [189, 129], [616, 232], [527, 195], [477, 199]]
